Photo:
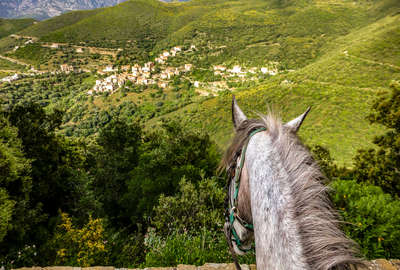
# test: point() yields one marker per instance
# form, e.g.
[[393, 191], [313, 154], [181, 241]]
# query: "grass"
[[340, 89]]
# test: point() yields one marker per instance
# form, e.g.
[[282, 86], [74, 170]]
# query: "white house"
[[10, 78], [219, 67], [159, 60], [188, 67], [109, 69], [236, 69]]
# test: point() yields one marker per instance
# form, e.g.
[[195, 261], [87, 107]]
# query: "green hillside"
[[335, 56], [55, 23], [340, 86], [253, 31], [10, 26]]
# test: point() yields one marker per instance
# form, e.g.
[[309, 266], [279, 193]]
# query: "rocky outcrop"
[[43, 9], [379, 264]]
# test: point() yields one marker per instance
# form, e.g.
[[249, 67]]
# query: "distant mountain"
[[43, 9]]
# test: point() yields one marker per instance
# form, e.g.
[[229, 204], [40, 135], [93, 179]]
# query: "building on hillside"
[[219, 68], [28, 42], [176, 49], [146, 69], [16, 48], [54, 46], [271, 72], [192, 47], [196, 84], [160, 60], [66, 68], [79, 50], [125, 68], [149, 65], [188, 67], [132, 78], [109, 68], [165, 54], [10, 79], [164, 75], [236, 70], [162, 84]]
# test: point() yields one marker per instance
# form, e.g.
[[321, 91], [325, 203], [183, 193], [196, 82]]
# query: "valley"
[[149, 61]]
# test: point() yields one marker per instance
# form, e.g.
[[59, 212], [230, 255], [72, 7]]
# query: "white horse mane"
[[315, 223]]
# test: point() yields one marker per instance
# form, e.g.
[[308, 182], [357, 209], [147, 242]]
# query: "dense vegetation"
[[129, 179], [134, 197], [334, 56]]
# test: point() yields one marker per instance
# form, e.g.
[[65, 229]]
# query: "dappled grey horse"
[[276, 198]]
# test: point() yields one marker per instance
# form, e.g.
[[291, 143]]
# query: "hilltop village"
[[148, 75]]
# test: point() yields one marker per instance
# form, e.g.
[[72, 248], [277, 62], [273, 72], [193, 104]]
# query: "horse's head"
[[274, 185], [239, 210]]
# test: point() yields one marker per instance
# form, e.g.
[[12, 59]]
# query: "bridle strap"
[[230, 216], [228, 232]]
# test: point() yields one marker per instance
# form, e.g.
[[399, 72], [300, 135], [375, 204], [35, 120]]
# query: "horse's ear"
[[295, 124], [237, 115]]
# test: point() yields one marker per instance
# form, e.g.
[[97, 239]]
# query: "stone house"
[[66, 68]]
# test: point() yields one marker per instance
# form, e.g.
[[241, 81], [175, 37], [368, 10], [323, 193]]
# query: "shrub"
[[372, 217], [80, 246], [184, 248], [193, 207], [380, 166]]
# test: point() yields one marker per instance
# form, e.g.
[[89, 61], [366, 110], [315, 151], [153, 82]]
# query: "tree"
[[15, 183], [166, 157], [114, 158], [58, 181], [380, 166]]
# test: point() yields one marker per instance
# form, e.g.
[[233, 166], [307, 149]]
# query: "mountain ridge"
[[44, 9]]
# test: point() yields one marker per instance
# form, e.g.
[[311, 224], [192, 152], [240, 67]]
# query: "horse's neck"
[[278, 243]]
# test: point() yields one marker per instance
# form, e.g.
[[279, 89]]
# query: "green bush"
[[184, 248], [380, 166], [372, 217], [193, 207]]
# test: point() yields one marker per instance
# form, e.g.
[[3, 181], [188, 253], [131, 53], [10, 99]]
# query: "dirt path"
[[15, 61]]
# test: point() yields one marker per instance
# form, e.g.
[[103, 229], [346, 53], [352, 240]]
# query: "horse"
[[277, 198]]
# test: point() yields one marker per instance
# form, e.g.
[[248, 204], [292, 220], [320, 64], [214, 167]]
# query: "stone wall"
[[379, 264]]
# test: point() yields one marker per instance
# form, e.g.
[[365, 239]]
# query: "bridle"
[[238, 232]]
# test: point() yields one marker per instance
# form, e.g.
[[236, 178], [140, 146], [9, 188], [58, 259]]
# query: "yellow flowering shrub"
[[80, 246]]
